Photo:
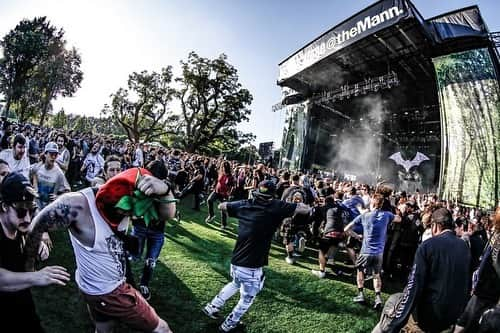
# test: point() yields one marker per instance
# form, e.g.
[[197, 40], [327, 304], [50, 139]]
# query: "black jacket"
[[437, 289]]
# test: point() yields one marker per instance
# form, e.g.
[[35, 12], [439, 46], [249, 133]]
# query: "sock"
[[360, 290], [377, 293], [289, 254]]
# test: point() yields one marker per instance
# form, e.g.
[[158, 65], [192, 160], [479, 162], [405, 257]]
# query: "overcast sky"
[[116, 38]]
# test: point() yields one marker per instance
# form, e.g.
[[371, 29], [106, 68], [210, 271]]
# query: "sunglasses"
[[22, 209]]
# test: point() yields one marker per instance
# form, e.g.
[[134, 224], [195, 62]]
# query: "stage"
[[387, 94]]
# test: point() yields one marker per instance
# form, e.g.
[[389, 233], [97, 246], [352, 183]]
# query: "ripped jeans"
[[249, 281], [153, 241]]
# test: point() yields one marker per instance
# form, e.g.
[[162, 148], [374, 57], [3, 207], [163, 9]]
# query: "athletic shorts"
[[370, 264], [124, 304], [325, 243], [353, 243]]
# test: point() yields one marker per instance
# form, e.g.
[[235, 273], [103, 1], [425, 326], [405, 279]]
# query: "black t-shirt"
[[200, 170], [17, 306], [281, 187], [257, 223]]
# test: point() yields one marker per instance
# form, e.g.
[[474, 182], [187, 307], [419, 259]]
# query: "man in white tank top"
[[94, 226]]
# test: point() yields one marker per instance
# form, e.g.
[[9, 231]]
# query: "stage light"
[[347, 91]]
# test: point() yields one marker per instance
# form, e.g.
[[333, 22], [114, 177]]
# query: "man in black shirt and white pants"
[[258, 219]]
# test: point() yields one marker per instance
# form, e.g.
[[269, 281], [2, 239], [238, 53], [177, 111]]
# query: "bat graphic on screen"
[[408, 164]]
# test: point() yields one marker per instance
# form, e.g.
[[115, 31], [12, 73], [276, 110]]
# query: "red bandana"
[[113, 190]]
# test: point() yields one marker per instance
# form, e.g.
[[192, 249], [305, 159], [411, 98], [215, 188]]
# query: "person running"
[[17, 206], [150, 235], [96, 224], [333, 235], [222, 191], [258, 219], [370, 259]]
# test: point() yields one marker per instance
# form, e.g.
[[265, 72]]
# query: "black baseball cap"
[[15, 187], [267, 187]]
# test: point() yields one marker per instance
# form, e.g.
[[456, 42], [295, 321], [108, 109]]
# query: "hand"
[[52, 197], [51, 275], [46, 239], [43, 251], [150, 185]]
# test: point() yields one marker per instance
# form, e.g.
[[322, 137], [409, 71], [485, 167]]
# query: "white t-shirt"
[[94, 164], [50, 181], [21, 166], [138, 158]]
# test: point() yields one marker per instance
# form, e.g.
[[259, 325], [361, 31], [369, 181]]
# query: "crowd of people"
[[93, 186]]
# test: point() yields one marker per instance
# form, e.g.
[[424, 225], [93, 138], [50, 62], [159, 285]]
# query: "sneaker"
[[338, 272], [359, 299], [211, 311], [290, 261], [302, 244], [209, 219], [240, 327], [144, 290], [320, 274], [378, 303]]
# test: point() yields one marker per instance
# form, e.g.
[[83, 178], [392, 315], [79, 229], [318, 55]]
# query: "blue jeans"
[[249, 281], [153, 240]]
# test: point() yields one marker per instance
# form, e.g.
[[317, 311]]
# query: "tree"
[[59, 75], [212, 101], [146, 116], [36, 67], [60, 120]]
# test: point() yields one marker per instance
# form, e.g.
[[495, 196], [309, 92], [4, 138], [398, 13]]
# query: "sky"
[[116, 38]]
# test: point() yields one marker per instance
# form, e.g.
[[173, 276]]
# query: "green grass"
[[194, 266]]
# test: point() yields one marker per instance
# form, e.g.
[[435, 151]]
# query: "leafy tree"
[[144, 115], [36, 68], [59, 75], [60, 120], [212, 101]]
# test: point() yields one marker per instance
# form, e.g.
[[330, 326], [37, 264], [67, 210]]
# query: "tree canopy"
[[36, 68], [212, 102], [142, 109]]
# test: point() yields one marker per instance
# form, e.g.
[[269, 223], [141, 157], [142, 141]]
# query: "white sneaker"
[[302, 245], [290, 261], [211, 311], [209, 219], [319, 274]]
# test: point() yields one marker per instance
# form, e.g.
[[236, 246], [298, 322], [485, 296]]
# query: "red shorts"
[[124, 304]]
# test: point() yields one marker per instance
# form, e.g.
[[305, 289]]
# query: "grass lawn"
[[194, 266]]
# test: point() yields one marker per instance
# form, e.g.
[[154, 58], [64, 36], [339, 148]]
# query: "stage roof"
[[390, 35]]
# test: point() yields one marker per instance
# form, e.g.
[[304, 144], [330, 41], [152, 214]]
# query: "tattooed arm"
[[63, 213]]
